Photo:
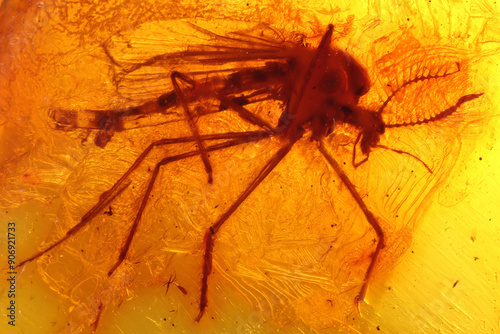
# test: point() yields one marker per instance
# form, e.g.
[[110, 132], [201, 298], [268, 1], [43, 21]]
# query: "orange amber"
[[295, 229]]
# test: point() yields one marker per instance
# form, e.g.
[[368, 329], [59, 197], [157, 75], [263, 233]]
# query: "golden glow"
[[274, 267]]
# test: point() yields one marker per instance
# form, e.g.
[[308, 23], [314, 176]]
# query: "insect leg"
[[125, 248], [406, 153], [210, 234], [146, 196], [354, 163], [192, 125], [369, 217], [244, 113], [106, 197], [95, 324]]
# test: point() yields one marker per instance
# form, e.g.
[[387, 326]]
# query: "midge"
[[318, 87]]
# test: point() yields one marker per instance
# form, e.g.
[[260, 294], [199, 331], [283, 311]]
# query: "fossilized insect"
[[319, 90]]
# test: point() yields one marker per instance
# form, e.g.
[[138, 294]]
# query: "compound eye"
[[381, 129], [361, 91], [359, 81]]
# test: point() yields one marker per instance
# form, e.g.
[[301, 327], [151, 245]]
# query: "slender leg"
[[354, 163], [408, 154], [106, 197], [211, 232], [192, 125], [95, 324], [244, 113], [146, 196], [369, 217], [225, 100]]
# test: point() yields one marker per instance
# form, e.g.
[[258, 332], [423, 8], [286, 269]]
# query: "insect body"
[[318, 88]]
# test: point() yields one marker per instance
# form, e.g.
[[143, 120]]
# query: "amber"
[[294, 255]]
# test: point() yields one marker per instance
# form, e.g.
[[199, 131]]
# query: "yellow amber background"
[[447, 282]]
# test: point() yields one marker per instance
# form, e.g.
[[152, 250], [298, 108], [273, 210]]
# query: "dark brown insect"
[[320, 89]]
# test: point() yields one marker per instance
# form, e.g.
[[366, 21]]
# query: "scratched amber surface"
[[292, 258]]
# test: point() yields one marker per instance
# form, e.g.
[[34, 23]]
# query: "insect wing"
[[143, 63], [144, 59]]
